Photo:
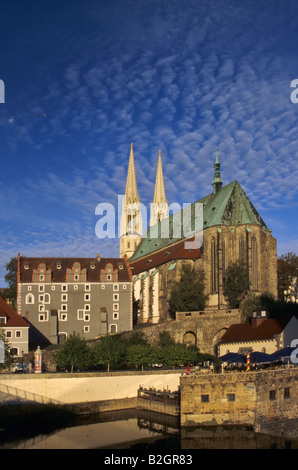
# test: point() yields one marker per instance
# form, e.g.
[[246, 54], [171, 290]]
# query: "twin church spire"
[[131, 231], [131, 218]]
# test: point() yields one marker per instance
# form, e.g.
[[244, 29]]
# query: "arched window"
[[223, 255], [213, 266], [241, 249], [254, 263], [29, 299]]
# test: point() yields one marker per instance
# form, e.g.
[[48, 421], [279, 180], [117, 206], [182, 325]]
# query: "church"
[[230, 229]]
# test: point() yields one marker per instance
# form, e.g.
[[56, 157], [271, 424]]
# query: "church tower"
[[159, 208], [131, 217], [217, 182]]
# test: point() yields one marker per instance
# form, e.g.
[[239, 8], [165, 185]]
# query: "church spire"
[[159, 193], [131, 217], [217, 182], [131, 191], [159, 207]]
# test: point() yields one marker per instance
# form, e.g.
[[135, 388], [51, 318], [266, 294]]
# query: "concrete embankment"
[[87, 392]]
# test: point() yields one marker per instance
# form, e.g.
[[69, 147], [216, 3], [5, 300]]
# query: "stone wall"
[[203, 329], [266, 400]]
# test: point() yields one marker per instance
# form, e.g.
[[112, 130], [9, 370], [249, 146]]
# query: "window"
[[103, 286], [14, 351], [87, 287], [43, 317], [75, 287], [62, 316], [115, 315], [87, 307], [115, 306], [76, 277], [64, 297], [254, 262], [86, 317], [64, 307], [109, 277], [53, 287], [29, 299], [116, 287], [115, 297], [287, 392], [272, 395], [113, 328], [80, 314], [29, 288], [8, 334], [231, 396], [205, 398], [86, 329], [2, 320], [18, 334], [41, 308], [124, 286], [64, 287], [40, 288], [213, 266], [87, 297]]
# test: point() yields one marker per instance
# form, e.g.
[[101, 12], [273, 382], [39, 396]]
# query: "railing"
[[24, 394], [163, 401]]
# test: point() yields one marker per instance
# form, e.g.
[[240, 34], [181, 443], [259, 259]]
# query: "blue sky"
[[85, 79]]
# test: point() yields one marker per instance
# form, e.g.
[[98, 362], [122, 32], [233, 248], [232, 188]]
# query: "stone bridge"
[[202, 329]]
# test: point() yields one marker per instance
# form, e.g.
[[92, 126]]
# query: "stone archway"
[[216, 338], [189, 338]]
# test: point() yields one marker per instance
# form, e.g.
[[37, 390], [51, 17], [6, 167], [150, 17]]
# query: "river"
[[140, 429]]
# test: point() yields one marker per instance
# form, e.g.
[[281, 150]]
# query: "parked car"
[[19, 368]]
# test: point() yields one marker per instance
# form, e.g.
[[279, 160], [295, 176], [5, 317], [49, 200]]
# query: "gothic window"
[[213, 266], [241, 249], [224, 265], [254, 262]]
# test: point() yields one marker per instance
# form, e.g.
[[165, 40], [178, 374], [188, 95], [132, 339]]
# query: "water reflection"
[[142, 429]]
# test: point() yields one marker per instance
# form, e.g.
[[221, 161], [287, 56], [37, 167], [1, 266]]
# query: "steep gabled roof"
[[246, 332], [12, 318], [229, 206]]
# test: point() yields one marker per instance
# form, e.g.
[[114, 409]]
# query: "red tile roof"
[[12, 317], [245, 332], [170, 253]]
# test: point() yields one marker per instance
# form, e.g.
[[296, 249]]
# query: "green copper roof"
[[229, 206]]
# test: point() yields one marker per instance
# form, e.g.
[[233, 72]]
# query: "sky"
[[85, 79]]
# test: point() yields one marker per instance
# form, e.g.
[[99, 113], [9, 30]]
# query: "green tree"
[[74, 352], [11, 279], [178, 353], [140, 354], [8, 359], [236, 283], [109, 351], [287, 275], [187, 294], [165, 339]]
